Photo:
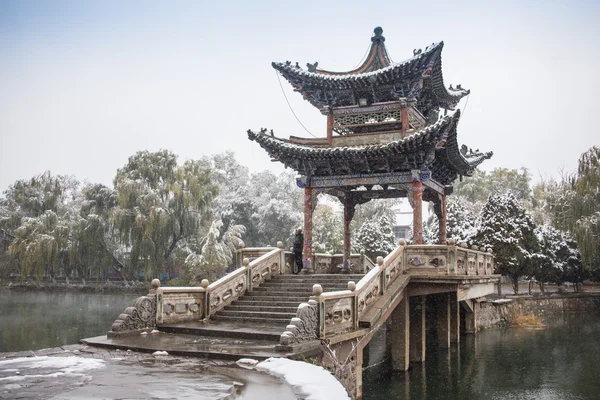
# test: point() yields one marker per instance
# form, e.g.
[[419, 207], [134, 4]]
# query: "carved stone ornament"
[[141, 315], [304, 326]]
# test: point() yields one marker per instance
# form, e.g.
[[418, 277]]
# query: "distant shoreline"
[[106, 287]]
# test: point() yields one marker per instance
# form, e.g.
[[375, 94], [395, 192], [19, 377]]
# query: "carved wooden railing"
[[340, 312]]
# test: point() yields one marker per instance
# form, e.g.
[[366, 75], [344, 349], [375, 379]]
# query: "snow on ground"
[[28, 369], [309, 381]]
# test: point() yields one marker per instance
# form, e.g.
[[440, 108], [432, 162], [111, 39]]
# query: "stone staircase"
[[275, 302]]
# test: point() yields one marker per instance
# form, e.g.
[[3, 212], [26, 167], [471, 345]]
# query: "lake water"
[[560, 362], [38, 320]]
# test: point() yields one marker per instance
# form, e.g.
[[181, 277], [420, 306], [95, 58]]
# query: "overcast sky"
[[84, 85]]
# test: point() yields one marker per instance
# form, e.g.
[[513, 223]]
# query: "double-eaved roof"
[[415, 84], [433, 148], [377, 80]]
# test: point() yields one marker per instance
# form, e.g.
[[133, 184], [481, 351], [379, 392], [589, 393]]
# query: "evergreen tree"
[[509, 230], [376, 237], [461, 221]]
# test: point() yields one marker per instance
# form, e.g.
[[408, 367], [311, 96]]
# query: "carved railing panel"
[[181, 304], [461, 261], [368, 289], [426, 259], [141, 315], [393, 266], [338, 314], [323, 263], [264, 267], [225, 290]]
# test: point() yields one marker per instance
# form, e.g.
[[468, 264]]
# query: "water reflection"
[[37, 320], [559, 362]]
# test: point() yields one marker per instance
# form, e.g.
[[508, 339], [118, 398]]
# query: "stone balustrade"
[[251, 253], [341, 311], [332, 263], [250, 275], [452, 259], [169, 305]]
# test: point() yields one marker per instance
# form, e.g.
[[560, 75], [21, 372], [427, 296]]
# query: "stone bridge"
[[326, 315]]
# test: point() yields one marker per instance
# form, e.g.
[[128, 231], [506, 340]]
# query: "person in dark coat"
[[298, 247]]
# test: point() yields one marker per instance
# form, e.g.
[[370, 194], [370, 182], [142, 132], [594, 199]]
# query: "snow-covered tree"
[[328, 235], [461, 221], [94, 245], [509, 230], [37, 214], [574, 205], [217, 250], [373, 210], [477, 188], [161, 205], [277, 207], [375, 237], [562, 261]]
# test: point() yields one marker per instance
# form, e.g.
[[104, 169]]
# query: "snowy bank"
[[308, 381]]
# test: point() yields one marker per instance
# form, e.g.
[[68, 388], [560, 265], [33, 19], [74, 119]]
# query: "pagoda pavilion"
[[386, 137]]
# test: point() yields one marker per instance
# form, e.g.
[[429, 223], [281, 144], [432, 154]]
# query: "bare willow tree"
[[160, 207]]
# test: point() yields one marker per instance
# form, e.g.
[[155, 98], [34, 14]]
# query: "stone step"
[[319, 276], [235, 328], [281, 321], [262, 308], [312, 281], [274, 298], [280, 293], [298, 289], [245, 302], [258, 314], [293, 285]]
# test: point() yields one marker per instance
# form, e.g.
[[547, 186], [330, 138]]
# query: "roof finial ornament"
[[416, 52], [377, 37], [312, 67]]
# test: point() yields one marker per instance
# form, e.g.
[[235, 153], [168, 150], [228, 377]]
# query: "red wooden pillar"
[[308, 213], [330, 129], [348, 215], [442, 220], [417, 187]]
